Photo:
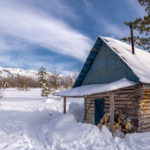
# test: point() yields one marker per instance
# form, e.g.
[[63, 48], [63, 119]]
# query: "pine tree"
[[142, 25], [45, 88], [5, 84]]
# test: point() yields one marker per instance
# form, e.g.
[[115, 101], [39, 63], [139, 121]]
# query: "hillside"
[[7, 72]]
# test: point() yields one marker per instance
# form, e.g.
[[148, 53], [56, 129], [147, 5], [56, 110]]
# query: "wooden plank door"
[[99, 110]]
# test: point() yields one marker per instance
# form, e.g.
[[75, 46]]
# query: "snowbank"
[[30, 123], [77, 110], [64, 133]]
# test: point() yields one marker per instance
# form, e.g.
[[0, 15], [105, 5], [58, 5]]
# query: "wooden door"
[[99, 110]]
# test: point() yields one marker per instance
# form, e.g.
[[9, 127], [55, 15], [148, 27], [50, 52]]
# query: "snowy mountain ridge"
[[6, 72]]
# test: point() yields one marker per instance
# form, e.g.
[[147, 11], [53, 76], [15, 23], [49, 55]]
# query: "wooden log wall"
[[89, 110], [144, 108], [125, 99]]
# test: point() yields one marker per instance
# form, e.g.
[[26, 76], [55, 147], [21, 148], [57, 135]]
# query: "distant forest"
[[55, 81]]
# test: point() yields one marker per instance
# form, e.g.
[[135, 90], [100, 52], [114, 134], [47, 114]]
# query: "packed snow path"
[[30, 122]]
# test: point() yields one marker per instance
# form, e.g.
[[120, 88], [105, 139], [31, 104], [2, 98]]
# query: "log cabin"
[[112, 78]]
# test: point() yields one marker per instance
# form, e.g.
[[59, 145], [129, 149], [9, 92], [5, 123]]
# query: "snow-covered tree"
[[42, 77], [5, 84]]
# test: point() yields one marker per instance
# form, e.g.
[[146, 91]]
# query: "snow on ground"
[[30, 122]]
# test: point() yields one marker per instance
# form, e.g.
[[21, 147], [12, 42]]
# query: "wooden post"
[[111, 112], [132, 40], [85, 110], [64, 105]]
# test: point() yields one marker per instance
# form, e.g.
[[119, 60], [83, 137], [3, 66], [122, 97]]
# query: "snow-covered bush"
[[77, 110]]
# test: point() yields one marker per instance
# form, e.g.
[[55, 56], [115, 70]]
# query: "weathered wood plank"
[[111, 112], [144, 121], [143, 126], [144, 130], [144, 116]]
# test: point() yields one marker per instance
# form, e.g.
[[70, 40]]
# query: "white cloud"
[[43, 30], [108, 25], [57, 7], [34, 63], [4, 45], [115, 30]]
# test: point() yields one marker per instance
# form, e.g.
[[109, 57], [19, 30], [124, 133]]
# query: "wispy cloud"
[[42, 29], [48, 24], [114, 30], [111, 24], [104, 25], [30, 62]]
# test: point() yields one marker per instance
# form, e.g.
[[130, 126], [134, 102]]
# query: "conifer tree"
[[142, 26], [5, 84], [42, 77]]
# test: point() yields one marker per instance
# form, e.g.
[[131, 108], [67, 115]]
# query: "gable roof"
[[139, 62]]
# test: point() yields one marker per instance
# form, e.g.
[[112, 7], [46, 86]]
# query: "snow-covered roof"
[[96, 88], [138, 62]]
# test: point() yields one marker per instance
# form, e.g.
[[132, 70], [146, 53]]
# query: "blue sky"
[[59, 34]]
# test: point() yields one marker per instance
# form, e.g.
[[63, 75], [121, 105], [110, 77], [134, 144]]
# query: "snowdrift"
[[29, 122]]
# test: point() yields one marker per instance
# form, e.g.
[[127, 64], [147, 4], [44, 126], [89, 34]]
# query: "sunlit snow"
[[30, 122]]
